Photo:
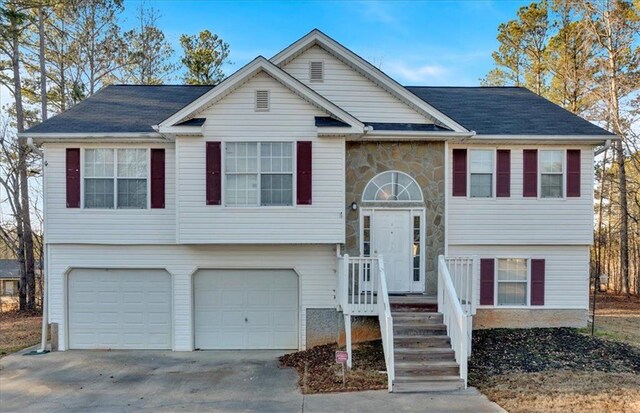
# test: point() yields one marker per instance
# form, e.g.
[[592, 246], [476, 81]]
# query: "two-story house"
[[254, 214]]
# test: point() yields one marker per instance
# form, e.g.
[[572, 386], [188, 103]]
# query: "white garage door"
[[119, 309], [246, 309]]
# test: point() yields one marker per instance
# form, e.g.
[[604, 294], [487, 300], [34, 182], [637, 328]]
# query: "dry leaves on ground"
[[319, 372], [18, 330], [565, 391]]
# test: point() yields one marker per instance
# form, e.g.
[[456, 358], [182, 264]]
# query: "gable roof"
[[316, 37], [505, 111], [121, 109], [260, 64]]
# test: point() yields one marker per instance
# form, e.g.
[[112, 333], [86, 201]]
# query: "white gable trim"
[[316, 37], [256, 66]]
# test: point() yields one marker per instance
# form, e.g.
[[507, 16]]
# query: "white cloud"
[[425, 73]]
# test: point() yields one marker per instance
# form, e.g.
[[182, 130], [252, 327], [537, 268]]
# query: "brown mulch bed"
[[319, 372], [18, 330]]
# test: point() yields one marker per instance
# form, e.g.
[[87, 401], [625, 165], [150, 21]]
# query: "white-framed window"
[[481, 171], [259, 173], [392, 186], [512, 281], [551, 173], [115, 178]]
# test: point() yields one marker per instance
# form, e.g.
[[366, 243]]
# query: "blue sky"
[[416, 42]]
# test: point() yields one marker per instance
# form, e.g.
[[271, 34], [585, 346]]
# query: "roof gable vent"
[[316, 71], [262, 100]]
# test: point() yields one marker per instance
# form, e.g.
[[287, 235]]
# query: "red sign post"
[[341, 358]]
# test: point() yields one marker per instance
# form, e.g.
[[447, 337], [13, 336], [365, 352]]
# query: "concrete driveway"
[[163, 381]]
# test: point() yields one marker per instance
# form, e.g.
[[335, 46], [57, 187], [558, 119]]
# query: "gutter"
[[44, 270], [607, 145]]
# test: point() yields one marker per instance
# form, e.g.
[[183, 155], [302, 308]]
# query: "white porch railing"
[[461, 270], [457, 312], [362, 291]]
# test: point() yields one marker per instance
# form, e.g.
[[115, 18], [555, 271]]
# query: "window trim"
[[564, 173], [223, 183], [496, 282], [392, 201], [494, 172], [115, 178]]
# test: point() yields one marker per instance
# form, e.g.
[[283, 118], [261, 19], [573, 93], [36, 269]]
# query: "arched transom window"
[[392, 186]]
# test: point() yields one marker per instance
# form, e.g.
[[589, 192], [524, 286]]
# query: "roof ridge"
[[467, 87], [163, 85]]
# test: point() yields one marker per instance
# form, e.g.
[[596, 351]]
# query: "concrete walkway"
[[164, 381]]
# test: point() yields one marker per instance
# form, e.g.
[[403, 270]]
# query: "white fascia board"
[[418, 134], [368, 70], [181, 130], [339, 131], [544, 139], [100, 136], [251, 69]]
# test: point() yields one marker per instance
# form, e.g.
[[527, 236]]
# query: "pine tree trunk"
[[43, 70]]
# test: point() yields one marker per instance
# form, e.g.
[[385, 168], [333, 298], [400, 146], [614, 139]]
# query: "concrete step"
[[406, 317], [423, 354], [436, 368], [402, 341], [413, 307], [424, 386], [419, 330]]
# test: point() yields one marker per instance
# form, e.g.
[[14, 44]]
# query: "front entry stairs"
[[424, 359]]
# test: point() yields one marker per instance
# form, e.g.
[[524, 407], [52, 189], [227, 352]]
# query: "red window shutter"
[[530, 173], [157, 178], [503, 178], [459, 172], [573, 172], [304, 173], [537, 282], [73, 177], [214, 173], [487, 275]]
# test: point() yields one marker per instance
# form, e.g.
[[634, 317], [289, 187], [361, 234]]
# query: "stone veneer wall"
[[424, 161]]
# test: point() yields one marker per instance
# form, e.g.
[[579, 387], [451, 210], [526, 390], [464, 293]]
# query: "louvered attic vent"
[[262, 100], [316, 71]]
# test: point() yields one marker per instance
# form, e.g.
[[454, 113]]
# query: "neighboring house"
[[9, 278], [201, 217]]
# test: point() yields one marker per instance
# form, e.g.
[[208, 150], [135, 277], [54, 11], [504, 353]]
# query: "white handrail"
[[362, 290], [386, 323], [454, 317]]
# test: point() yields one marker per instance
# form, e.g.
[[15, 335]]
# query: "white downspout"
[[45, 269], [607, 145]]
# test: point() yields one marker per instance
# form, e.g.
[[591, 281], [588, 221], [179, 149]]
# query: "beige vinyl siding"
[[315, 265], [519, 220], [104, 226], [352, 91], [233, 119], [566, 270]]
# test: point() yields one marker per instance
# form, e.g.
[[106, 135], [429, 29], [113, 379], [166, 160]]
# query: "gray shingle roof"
[[123, 108], [11, 268], [486, 110], [504, 111]]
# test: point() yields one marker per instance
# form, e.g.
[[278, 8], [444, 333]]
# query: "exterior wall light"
[[354, 206]]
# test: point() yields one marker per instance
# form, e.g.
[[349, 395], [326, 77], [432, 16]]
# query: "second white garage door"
[[246, 309]]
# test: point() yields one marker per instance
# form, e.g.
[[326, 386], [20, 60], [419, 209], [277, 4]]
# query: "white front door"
[[392, 238]]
